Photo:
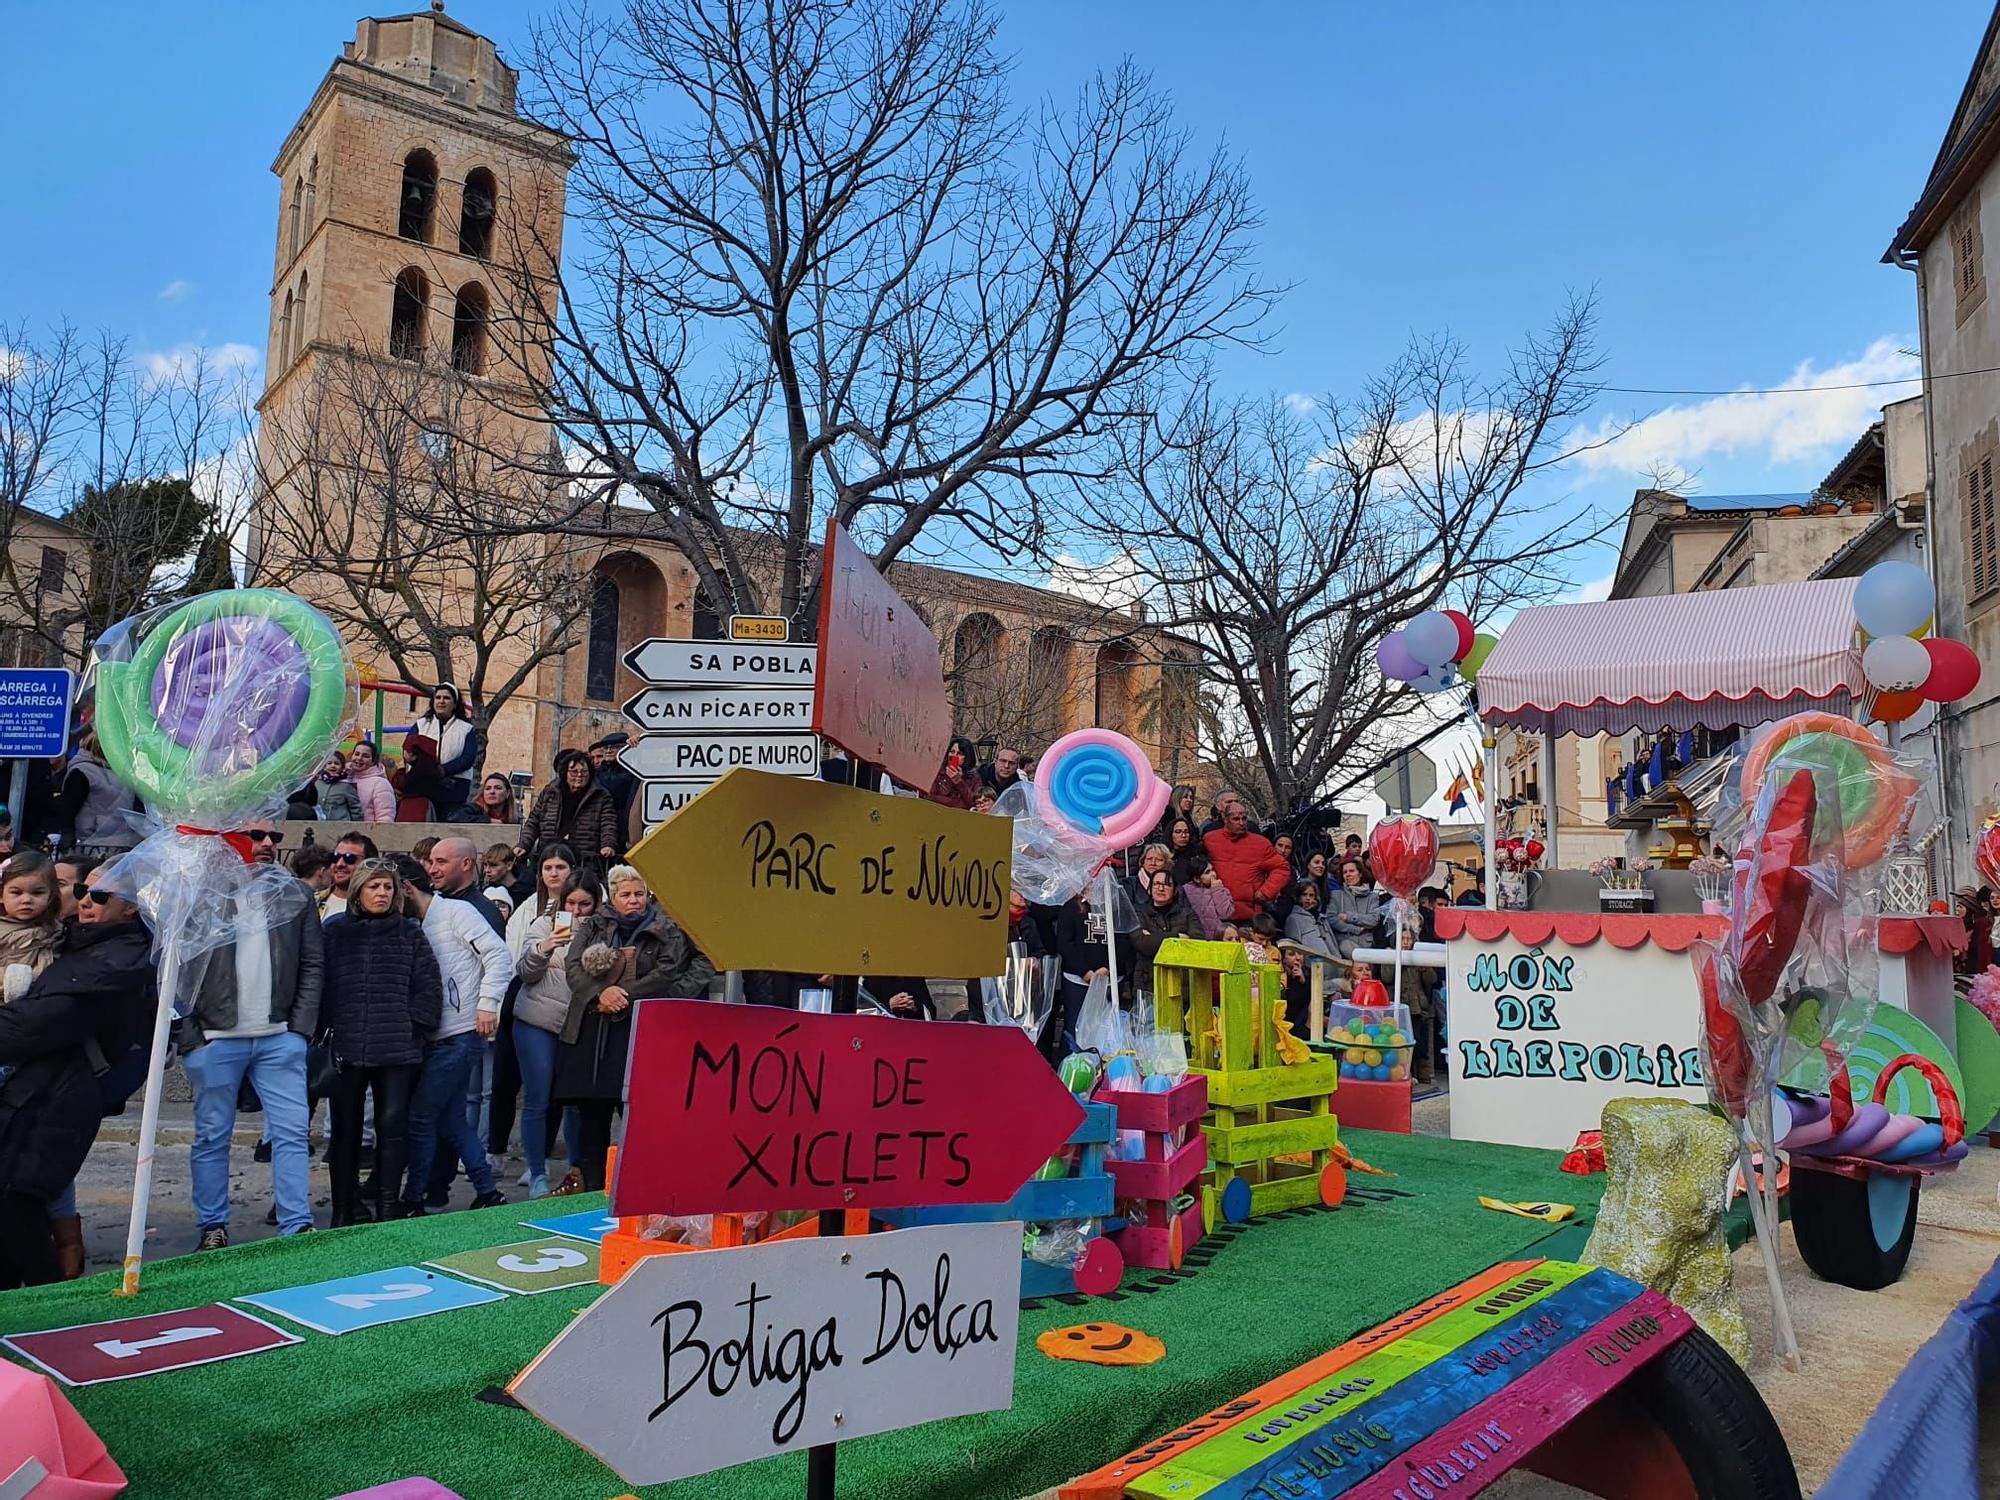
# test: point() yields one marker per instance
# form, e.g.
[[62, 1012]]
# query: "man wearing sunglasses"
[[257, 1007], [348, 853]]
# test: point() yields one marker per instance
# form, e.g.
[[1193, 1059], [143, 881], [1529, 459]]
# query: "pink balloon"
[[1392, 655]]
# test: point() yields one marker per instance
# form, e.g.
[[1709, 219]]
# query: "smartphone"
[[956, 760], [563, 924]]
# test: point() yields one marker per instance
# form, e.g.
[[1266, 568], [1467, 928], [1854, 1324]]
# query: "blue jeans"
[[276, 1066], [536, 1050], [438, 1116], [64, 1206], [479, 1089]]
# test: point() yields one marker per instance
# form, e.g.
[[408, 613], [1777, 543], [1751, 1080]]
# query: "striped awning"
[[1677, 661]]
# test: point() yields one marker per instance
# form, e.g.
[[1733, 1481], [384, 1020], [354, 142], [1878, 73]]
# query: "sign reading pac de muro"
[[1542, 1037]]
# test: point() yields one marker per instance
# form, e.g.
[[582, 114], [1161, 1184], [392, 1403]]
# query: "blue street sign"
[[34, 712]]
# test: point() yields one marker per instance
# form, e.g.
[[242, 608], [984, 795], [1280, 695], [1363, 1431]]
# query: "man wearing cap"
[[617, 780]]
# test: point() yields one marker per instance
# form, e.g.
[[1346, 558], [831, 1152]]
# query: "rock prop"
[[1661, 1220]]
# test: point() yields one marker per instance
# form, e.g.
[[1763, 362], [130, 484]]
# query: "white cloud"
[[1301, 404], [1591, 591], [1116, 583], [1777, 428], [176, 290], [218, 361]]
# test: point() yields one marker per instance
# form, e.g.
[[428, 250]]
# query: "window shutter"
[[1982, 529]]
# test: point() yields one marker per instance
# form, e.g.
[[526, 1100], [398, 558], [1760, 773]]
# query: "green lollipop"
[[223, 704]]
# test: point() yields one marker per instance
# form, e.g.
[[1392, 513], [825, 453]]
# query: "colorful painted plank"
[[1471, 1382]]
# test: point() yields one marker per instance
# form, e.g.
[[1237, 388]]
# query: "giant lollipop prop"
[[211, 710], [1402, 851]]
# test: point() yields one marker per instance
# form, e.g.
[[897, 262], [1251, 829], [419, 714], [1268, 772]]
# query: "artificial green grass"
[[337, 1414]]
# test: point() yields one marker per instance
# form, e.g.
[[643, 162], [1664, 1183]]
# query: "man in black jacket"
[[89, 1006], [615, 779]]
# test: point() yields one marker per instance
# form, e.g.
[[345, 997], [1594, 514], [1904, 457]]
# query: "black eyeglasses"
[[99, 898], [347, 859], [79, 889], [265, 836]]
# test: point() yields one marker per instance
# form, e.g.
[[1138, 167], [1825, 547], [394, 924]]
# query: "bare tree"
[[403, 502], [827, 267], [1288, 542], [121, 482]]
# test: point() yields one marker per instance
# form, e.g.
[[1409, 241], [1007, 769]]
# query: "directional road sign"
[[709, 753], [721, 708], [778, 872], [694, 1362], [678, 663], [660, 800], [807, 1111]]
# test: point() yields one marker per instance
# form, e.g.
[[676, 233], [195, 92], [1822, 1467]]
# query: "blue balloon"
[[1432, 638], [1894, 598], [1437, 679]]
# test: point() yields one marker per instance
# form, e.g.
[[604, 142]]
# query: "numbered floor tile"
[[591, 1224], [127, 1347], [532, 1266], [377, 1297]]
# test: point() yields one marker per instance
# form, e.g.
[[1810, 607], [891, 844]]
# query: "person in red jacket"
[[1248, 864]]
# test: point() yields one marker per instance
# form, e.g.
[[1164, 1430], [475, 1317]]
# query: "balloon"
[[1896, 664], [1432, 638], [1954, 669], [1392, 655], [1893, 708], [1402, 851], [1482, 647], [1436, 680], [1466, 635], [1894, 598]]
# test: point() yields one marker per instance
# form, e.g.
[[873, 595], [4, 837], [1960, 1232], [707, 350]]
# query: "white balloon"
[[1432, 638], [1894, 598], [1895, 663], [1437, 679]]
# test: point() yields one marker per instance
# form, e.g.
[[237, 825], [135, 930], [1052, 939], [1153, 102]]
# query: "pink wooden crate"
[[1160, 1180], [1154, 1248], [1158, 1113]]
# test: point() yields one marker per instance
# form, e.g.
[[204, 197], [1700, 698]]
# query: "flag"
[[1456, 793]]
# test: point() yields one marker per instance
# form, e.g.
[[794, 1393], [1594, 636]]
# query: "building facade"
[[420, 223], [1945, 241]]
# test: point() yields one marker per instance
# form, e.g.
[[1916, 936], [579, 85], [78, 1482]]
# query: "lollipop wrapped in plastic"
[[212, 710], [1094, 794]]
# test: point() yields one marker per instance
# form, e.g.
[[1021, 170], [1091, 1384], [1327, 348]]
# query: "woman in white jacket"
[[538, 934], [450, 730]]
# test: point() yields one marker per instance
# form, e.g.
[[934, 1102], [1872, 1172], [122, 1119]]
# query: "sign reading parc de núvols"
[[796, 1110], [695, 1362], [34, 712], [880, 690], [807, 877]]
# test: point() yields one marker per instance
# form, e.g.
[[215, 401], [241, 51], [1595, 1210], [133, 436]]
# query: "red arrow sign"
[[732, 1108]]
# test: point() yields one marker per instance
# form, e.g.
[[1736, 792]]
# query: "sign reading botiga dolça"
[[695, 1362], [807, 877], [1543, 1036]]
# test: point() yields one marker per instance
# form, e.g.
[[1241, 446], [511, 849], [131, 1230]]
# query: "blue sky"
[[1724, 176]]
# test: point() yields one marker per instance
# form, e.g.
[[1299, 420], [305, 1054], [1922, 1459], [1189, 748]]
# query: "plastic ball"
[[1078, 1073], [1398, 1073], [1052, 1169], [1380, 1073], [1122, 1073], [1372, 1056]]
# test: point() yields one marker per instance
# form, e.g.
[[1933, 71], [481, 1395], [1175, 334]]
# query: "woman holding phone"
[[540, 1012]]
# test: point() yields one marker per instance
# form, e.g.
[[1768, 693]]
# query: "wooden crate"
[[1155, 1235], [1087, 1193], [1261, 1108]]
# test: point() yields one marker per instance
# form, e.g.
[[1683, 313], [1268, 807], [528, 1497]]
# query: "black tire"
[[1841, 1235], [1717, 1421]]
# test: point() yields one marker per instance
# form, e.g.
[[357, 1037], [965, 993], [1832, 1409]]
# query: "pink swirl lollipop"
[[1097, 784]]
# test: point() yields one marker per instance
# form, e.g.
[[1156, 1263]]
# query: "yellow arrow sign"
[[807, 877]]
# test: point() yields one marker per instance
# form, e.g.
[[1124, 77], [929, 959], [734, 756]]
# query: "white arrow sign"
[[690, 757], [660, 800], [128, 1348], [695, 1362], [721, 664], [722, 708]]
